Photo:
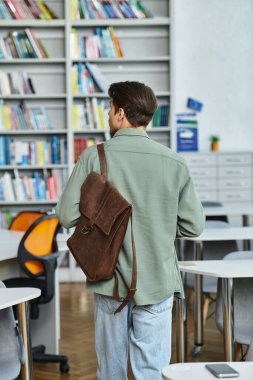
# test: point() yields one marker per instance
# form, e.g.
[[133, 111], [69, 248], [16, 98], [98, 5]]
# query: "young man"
[[157, 183]]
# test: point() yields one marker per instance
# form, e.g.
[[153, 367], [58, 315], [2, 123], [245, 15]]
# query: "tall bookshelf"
[[146, 47], [48, 78]]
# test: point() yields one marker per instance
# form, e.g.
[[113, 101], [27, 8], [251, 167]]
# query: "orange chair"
[[24, 219], [37, 256]]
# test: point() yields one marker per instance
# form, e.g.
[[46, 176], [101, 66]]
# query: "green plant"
[[214, 138]]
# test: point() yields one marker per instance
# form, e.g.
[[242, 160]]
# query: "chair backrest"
[[212, 250], [24, 219], [39, 240], [10, 357], [223, 218], [243, 302]]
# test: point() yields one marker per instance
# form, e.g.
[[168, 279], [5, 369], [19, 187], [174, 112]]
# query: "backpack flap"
[[101, 203]]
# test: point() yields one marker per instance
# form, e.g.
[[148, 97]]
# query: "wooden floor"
[[77, 338]]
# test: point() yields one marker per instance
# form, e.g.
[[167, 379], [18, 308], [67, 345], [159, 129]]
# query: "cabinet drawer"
[[199, 159], [234, 171], [208, 184], [203, 172], [234, 183], [207, 195], [232, 196], [234, 159]]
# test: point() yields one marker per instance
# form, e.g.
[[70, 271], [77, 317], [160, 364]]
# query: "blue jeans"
[[144, 331]]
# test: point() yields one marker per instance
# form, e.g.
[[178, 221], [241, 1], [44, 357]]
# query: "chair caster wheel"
[[64, 367], [196, 350]]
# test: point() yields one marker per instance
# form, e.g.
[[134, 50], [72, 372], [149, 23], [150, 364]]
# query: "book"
[[8, 190], [92, 47], [144, 9], [98, 77], [11, 45], [46, 11], [116, 42], [36, 44], [113, 9], [74, 10], [18, 187], [108, 43], [13, 9], [4, 14], [34, 9], [97, 6]]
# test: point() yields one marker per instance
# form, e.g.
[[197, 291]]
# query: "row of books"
[[39, 186], [22, 44], [91, 115], [161, 116], [104, 43], [52, 150], [87, 79], [82, 143], [19, 117], [15, 83], [104, 9], [25, 9]]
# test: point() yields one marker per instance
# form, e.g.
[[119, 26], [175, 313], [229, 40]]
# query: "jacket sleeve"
[[67, 208], [191, 218]]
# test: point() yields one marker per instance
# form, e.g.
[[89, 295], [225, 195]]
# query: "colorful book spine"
[[25, 9]]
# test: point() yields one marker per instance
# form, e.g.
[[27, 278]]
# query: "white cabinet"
[[224, 177], [235, 176], [203, 168]]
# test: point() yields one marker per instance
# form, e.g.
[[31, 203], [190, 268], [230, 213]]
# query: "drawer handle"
[[235, 183], [235, 160], [205, 174], [235, 196], [233, 172]]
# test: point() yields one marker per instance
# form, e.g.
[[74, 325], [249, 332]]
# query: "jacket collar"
[[131, 132]]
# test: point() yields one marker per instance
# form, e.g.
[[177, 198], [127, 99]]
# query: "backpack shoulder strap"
[[102, 160], [132, 289]]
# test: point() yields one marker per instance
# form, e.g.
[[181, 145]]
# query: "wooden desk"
[[20, 297], [194, 371], [45, 330], [226, 270]]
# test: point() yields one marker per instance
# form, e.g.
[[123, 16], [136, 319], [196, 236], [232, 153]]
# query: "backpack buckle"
[[87, 229]]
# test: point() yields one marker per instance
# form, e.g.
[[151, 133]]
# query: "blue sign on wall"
[[187, 138]]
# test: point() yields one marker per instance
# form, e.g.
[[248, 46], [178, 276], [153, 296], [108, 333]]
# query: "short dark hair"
[[137, 100]]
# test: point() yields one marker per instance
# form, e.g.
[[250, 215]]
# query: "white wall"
[[213, 62]]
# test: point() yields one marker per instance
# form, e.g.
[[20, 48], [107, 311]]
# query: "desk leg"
[[246, 223], [228, 318], [27, 367], [180, 330], [198, 300]]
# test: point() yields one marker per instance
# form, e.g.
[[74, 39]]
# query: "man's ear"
[[121, 113]]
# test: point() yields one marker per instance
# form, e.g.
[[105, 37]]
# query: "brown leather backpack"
[[101, 229]]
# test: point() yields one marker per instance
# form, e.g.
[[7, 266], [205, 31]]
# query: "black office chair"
[[37, 257], [222, 218]]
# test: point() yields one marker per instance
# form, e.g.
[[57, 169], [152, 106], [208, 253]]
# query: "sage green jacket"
[[156, 181]]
